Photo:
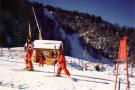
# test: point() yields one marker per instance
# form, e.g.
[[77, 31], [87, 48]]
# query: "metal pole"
[[54, 67], [99, 53], [54, 56], [119, 84], [36, 18], [84, 59], [79, 62], [71, 63], [39, 30]]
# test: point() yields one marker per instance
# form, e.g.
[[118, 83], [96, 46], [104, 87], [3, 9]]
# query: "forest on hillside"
[[97, 35]]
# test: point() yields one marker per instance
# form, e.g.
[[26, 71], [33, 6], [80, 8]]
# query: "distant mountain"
[[97, 36]]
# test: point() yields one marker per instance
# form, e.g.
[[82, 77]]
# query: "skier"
[[62, 63], [29, 50], [41, 60], [27, 43], [97, 68]]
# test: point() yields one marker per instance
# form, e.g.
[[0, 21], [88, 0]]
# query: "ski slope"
[[77, 50], [12, 77]]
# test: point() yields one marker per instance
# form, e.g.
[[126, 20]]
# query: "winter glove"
[[54, 62]]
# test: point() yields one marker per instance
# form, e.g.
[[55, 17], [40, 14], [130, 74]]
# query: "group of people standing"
[[60, 59]]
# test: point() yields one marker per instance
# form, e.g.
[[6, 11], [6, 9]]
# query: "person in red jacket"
[[60, 59], [41, 60], [29, 50]]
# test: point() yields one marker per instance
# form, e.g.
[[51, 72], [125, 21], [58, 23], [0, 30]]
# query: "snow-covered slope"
[[77, 50], [12, 77]]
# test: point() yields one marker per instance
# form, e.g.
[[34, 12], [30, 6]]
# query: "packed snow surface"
[[12, 77]]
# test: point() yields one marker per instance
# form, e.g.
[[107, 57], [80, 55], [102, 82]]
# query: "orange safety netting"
[[122, 54]]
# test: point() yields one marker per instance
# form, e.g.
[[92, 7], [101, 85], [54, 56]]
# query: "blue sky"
[[114, 11]]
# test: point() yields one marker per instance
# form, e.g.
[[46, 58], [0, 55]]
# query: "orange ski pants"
[[28, 61], [61, 67]]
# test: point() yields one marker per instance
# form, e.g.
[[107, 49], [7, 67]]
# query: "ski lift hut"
[[47, 48]]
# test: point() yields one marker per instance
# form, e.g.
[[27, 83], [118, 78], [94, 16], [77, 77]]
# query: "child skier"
[[41, 60]]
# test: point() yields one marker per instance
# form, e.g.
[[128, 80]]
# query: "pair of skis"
[[73, 79]]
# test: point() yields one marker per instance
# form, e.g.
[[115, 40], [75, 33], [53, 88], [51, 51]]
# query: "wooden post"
[[127, 75], [29, 30], [117, 66], [128, 86]]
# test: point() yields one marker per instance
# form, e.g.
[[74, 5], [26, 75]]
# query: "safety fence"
[[13, 53]]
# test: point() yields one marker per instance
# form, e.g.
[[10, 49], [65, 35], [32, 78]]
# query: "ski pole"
[[54, 66]]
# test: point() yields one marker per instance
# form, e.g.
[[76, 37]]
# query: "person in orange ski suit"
[[60, 59], [29, 51]]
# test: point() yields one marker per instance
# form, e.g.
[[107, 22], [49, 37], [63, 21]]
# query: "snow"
[[12, 77], [63, 33], [49, 44], [48, 13], [77, 50]]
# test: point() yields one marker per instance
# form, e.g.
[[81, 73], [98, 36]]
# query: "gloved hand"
[[54, 62]]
